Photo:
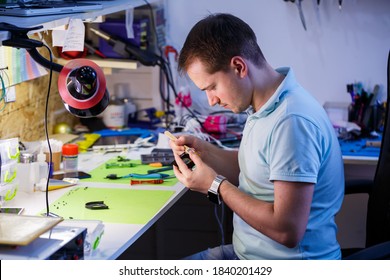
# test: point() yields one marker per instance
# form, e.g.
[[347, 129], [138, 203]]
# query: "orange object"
[[70, 149], [155, 164], [139, 182], [69, 55]]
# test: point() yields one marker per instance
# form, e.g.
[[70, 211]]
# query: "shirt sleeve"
[[295, 150]]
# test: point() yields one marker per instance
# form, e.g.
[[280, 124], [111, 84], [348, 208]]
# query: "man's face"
[[226, 89]]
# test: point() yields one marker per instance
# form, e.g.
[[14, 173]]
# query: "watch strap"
[[213, 193]]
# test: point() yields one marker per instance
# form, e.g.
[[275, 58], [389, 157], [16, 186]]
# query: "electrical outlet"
[[10, 94]]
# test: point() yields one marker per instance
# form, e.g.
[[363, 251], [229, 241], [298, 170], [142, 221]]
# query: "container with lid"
[[25, 174], [70, 154]]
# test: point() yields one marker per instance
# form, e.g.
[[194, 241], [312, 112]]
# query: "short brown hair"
[[216, 39]]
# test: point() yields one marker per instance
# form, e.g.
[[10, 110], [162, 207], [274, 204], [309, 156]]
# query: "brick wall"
[[24, 118]]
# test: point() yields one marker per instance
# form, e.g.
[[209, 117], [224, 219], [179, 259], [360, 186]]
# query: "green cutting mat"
[[99, 174], [128, 206]]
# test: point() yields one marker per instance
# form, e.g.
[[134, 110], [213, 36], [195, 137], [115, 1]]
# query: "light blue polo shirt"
[[291, 139]]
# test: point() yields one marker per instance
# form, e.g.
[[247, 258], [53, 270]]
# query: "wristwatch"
[[213, 193]]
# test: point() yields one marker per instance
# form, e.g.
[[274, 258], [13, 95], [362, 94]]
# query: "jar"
[[114, 114], [70, 154]]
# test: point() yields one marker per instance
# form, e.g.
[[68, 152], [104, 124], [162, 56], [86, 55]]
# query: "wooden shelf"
[[108, 62]]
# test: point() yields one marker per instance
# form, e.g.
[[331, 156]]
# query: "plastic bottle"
[[43, 167], [122, 92], [114, 115], [70, 154], [25, 172], [39, 169]]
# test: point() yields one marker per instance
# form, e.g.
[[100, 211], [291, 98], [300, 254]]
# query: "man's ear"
[[239, 65]]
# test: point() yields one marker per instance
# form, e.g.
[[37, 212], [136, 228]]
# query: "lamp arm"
[[43, 61], [19, 39]]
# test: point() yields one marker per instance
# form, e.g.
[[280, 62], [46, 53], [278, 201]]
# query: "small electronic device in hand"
[[186, 158]]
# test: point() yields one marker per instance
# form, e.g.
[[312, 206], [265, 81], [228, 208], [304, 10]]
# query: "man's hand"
[[199, 178]]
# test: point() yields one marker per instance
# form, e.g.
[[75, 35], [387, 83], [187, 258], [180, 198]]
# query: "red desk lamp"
[[81, 83]]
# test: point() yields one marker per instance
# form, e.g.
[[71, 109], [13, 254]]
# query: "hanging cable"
[[166, 69], [47, 130], [3, 94]]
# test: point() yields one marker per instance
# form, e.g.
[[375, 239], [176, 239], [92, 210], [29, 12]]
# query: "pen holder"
[[56, 159]]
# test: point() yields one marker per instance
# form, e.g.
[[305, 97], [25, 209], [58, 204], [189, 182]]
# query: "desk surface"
[[358, 152], [117, 237]]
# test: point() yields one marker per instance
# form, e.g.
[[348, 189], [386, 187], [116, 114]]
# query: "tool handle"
[[172, 137], [138, 182]]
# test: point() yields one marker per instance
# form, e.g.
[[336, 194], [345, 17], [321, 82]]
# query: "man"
[[285, 184]]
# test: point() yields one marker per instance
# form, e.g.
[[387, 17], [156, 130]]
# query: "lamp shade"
[[82, 87]]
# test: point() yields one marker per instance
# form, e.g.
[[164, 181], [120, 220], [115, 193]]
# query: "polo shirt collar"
[[272, 103]]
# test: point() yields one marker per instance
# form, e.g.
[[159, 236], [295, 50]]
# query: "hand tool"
[[140, 176], [160, 169], [172, 137], [299, 5], [120, 165], [92, 50], [139, 182], [155, 164]]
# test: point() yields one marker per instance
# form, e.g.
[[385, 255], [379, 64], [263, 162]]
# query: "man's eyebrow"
[[205, 88]]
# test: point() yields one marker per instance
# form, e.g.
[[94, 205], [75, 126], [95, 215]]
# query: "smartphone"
[[11, 210], [77, 174]]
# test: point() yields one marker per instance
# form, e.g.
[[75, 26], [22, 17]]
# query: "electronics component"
[[163, 156], [59, 243]]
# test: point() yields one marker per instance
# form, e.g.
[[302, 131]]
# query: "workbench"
[[120, 231]]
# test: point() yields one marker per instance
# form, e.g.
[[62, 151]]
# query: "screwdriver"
[[138, 182], [160, 169], [172, 137]]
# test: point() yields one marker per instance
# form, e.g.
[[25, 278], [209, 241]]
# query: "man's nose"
[[213, 100]]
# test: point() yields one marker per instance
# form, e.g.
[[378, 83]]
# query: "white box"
[[337, 111]]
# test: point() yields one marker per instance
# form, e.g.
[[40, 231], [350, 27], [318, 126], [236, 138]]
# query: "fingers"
[[194, 156], [183, 168], [179, 144]]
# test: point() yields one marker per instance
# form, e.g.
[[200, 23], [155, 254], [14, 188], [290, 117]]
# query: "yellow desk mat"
[[126, 206], [99, 174]]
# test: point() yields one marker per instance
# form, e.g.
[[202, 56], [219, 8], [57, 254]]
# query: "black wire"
[[220, 221], [153, 25], [46, 130], [166, 69]]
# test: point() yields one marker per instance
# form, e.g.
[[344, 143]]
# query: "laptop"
[[46, 7]]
